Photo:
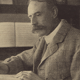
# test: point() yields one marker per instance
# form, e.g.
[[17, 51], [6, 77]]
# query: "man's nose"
[[34, 20]]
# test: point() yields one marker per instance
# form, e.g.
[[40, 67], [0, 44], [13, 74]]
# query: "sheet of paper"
[[8, 77], [24, 35], [7, 34]]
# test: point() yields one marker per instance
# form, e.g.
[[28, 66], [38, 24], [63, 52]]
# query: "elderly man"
[[56, 56]]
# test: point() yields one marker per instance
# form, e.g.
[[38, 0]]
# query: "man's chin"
[[36, 31], [39, 32]]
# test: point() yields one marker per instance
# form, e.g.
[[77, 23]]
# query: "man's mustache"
[[37, 27]]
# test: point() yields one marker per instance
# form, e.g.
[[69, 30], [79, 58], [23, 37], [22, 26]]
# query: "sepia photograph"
[[39, 39]]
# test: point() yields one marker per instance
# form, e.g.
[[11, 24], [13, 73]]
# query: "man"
[[56, 56]]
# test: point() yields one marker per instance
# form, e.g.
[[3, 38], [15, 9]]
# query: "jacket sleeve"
[[75, 65], [20, 62]]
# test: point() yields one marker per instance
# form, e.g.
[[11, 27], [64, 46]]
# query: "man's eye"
[[38, 14], [30, 16]]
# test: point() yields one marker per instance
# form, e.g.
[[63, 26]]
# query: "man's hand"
[[27, 75], [3, 68]]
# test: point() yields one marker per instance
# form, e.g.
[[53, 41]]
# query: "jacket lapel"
[[50, 50], [58, 38]]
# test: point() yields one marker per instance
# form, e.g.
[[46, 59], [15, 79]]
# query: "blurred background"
[[15, 28]]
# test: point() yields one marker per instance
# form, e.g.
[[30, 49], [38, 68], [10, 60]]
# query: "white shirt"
[[49, 38]]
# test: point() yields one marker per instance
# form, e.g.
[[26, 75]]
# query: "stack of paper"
[[8, 77], [24, 35], [7, 37], [16, 35]]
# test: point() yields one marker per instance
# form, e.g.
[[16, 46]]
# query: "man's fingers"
[[19, 74], [22, 77], [25, 75]]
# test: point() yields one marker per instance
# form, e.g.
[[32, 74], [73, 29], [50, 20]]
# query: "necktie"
[[38, 55], [45, 48]]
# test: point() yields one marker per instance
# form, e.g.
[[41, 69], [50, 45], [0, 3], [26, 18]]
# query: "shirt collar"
[[49, 38]]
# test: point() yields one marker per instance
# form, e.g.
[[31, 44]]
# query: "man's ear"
[[55, 11]]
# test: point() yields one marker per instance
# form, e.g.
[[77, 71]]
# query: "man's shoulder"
[[74, 35], [75, 31]]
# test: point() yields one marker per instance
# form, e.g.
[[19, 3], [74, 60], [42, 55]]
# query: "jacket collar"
[[61, 34]]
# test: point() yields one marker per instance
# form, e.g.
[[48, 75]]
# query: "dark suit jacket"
[[61, 60]]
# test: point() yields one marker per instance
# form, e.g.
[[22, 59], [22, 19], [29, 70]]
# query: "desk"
[[7, 77]]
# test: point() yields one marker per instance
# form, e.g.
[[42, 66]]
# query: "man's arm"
[[17, 63], [3, 68]]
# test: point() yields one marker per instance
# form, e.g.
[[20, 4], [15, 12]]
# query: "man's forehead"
[[35, 6]]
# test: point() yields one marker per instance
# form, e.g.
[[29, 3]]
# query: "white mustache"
[[38, 27]]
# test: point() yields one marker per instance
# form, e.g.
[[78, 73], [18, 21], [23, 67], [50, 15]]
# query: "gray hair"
[[50, 3]]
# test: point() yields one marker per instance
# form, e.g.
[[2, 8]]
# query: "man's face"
[[41, 18]]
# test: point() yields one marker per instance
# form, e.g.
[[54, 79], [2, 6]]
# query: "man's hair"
[[50, 3]]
